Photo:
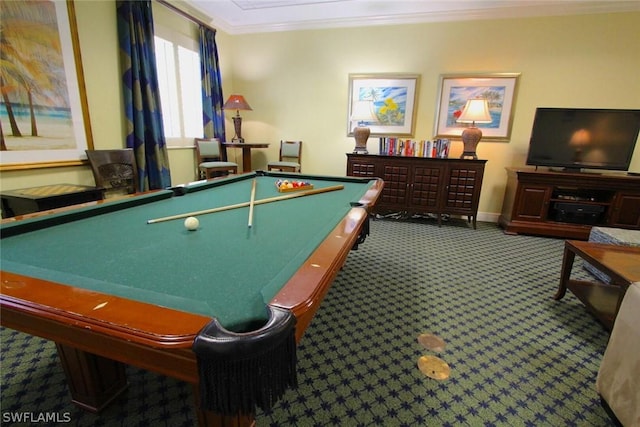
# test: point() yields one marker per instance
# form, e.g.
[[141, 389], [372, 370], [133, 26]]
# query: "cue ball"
[[191, 223]]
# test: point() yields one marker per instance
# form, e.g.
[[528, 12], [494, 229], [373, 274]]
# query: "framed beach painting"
[[499, 89], [43, 114], [388, 100]]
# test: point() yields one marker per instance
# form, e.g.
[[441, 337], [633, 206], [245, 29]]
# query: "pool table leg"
[[94, 381], [208, 418]]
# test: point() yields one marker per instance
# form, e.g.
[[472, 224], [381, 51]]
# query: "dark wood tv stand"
[[568, 204]]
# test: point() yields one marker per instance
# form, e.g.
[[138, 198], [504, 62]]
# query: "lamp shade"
[[362, 112], [236, 102], [475, 111]]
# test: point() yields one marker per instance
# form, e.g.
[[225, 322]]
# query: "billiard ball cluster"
[[286, 185]]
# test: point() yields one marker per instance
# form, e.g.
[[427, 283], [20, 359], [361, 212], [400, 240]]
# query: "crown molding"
[[491, 11]]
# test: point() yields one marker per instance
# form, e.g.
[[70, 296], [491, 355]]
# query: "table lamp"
[[475, 111], [237, 102], [362, 113]]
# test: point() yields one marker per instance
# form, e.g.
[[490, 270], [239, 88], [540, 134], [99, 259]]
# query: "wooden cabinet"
[[626, 210], [568, 204], [414, 185]]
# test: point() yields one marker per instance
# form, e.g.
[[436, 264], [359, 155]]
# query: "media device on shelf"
[[583, 138]]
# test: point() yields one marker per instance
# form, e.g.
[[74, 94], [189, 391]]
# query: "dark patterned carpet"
[[517, 357]]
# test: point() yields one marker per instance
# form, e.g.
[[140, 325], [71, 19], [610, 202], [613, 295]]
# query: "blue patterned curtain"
[[212, 114], [145, 133]]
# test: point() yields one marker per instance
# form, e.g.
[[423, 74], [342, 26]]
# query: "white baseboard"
[[488, 217]]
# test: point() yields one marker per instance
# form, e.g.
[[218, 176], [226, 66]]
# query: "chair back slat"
[[289, 157], [290, 149], [208, 148], [114, 169]]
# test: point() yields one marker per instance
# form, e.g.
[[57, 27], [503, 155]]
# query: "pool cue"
[[252, 203], [243, 204]]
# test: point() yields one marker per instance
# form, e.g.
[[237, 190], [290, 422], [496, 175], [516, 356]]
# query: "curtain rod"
[[185, 14]]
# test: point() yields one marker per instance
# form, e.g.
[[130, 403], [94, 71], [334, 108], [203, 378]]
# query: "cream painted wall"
[[296, 83]]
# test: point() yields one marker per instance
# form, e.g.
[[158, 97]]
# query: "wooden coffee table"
[[621, 263]]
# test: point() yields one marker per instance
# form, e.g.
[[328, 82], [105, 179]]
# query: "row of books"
[[438, 148]]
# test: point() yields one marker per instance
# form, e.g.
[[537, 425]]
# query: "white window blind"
[[179, 78]]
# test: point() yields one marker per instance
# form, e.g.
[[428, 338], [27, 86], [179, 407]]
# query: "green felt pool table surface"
[[224, 269]]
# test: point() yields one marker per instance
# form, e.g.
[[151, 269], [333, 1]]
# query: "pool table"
[[111, 287]]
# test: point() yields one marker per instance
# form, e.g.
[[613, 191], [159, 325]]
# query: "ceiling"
[[256, 16]]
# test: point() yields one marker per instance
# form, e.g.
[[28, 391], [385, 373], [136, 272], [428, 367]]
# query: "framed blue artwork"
[[498, 89], [385, 103]]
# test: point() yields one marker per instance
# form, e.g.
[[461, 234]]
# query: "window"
[[178, 62]]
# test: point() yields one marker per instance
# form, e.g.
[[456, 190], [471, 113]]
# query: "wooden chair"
[[209, 153], [114, 170], [290, 157]]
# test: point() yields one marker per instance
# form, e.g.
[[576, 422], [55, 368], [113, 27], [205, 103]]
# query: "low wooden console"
[[568, 204], [417, 185]]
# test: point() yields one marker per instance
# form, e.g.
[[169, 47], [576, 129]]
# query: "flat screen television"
[[577, 138]]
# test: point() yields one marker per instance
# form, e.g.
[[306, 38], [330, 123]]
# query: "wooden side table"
[[620, 263], [246, 151], [35, 199]]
